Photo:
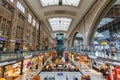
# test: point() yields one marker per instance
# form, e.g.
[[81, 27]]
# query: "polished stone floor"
[[58, 76], [94, 75], [70, 75]]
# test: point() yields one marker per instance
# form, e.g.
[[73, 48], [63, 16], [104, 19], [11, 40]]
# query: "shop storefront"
[[26, 65], [17, 44], [2, 42], [98, 65], [116, 72], [30, 63], [13, 70], [34, 62]]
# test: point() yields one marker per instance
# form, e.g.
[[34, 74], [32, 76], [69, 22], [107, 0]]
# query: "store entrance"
[[17, 45], [1, 45], [12, 71]]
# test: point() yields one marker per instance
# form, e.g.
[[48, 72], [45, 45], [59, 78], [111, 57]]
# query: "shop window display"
[[34, 62], [12, 70], [26, 65], [30, 64], [116, 73], [98, 65]]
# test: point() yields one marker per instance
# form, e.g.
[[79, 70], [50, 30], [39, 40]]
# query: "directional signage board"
[[60, 74]]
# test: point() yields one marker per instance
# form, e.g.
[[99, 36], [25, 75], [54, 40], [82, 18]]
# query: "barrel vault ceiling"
[[48, 12]]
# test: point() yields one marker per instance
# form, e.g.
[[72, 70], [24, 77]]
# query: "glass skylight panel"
[[11, 0], [56, 2], [49, 2], [60, 23], [105, 21], [71, 2], [117, 2]]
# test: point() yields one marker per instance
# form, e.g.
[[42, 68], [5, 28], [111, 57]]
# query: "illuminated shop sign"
[[94, 57], [12, 40], [104, 43], [2, 39], [6, 63], [18, 41], [28, 56], [60, 74]]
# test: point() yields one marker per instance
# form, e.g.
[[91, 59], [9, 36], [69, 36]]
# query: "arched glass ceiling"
[[105, 21], [78, 35], [60, 23], [60, 2]]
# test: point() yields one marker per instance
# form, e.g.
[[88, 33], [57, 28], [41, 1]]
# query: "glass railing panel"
[[117, 54], [104, 55], [14, 55]]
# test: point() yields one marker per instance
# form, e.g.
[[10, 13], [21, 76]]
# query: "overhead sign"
[[12, 40], [60, 74], [104, 42]]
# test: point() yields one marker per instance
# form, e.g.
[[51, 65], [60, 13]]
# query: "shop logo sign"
[[6, 63], [60, 74], [28, 56], [94, 57]]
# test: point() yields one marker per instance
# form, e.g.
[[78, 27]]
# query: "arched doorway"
[[78, 42], [107, 34]]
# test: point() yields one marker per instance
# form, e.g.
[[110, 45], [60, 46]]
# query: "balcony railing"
[[102, 54], [18, 54]]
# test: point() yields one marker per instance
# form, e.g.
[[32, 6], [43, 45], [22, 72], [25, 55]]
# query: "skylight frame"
[[74, 3], [60, 23]]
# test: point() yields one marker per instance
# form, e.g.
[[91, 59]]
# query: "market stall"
[[98, 65]]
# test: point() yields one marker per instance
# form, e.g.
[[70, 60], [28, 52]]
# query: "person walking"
[[88, 78]]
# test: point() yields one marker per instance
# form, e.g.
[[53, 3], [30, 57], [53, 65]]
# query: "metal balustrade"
[[18, 54], [101, 54]]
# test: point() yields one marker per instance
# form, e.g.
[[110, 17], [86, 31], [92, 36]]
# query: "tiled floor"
[[69, 75], [27, 75], [93, 74], [84, 69]]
